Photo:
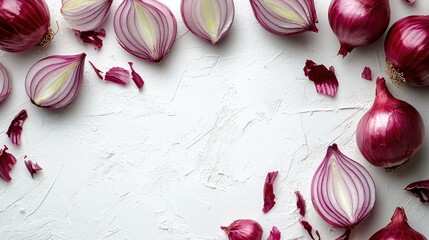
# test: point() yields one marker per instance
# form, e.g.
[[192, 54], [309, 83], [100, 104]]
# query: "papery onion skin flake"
[[324, 79], [275, 234], [269, 196], [7, 161], [15, 129], [55, 81], [32, 167], [420, 189]]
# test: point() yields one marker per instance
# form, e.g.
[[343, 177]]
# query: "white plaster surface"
[[191, 151]]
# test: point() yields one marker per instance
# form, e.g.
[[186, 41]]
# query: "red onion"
[[391, 132], [145, 28], [244, 229], [398, 229], [24, 24], [54, 81], [358, 22], [407, 51], [84, 15], [285, 17], [342, 190], [5, 83], [208, 19]]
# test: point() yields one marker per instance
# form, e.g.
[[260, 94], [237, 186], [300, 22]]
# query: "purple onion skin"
[[358, 22], [398, 229], [19, 32], [391, 132], [407, 50]]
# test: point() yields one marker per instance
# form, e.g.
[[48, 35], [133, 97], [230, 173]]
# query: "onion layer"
[[84, 15], [391, 132], [407, 51], [24, 24], [285, 17], [208, 19], [145, 28], [358, 22], [342, 190], [5, 83], [55, 81]]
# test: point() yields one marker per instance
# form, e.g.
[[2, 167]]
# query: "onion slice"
[[7, 161], [342, 190], [324, 79], [285, 17], [84, 15], [208, 19], [15, 128], [420, 189], [5, 83], [55, 81], [145, 28]]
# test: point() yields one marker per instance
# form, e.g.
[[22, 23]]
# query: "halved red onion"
[[24, 24], [324, 79], [5, 83], [420, 189], [342, 190], [32, 167], [208, 19], [15, 129], [145, 28], [55, 81], [84, 15], [285, 17], [7, 161]]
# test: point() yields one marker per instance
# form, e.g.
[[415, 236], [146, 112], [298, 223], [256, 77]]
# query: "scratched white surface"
[[191, 152]]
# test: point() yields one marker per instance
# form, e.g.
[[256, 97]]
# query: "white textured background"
[[191, 152]]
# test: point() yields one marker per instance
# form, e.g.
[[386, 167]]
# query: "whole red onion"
[[358, 22], [391, 132], [24, 24], [398, 229], [407, 51], [244, 229]]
